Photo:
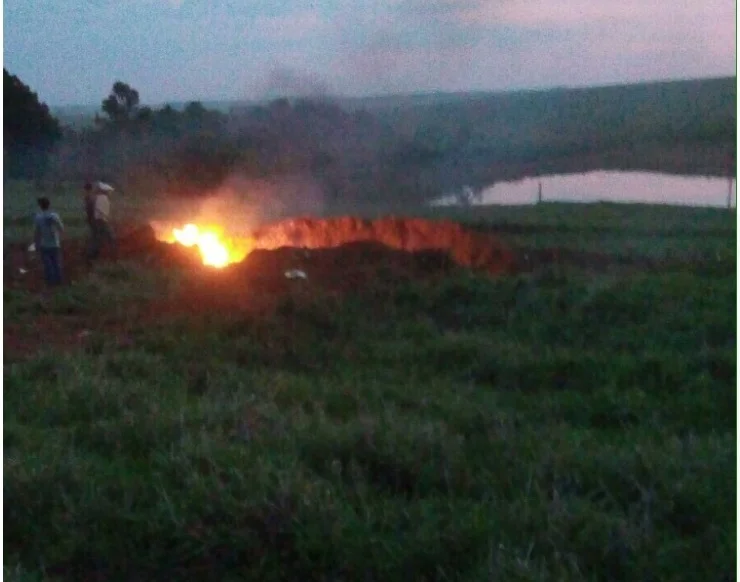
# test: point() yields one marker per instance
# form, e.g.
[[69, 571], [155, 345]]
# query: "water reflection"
[[608, 186]]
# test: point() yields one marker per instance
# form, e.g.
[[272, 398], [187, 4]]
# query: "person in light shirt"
[[102, 233]]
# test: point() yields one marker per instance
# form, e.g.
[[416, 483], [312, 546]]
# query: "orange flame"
[[216, 250]]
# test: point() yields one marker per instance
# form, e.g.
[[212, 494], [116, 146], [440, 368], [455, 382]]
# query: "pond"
[[609, 186]]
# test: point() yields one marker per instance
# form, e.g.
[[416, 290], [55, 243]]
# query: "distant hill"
[[410, 148], [78, 116], [685, 127], [447, 97], [710, 89]]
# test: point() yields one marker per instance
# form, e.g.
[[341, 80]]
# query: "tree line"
[[191, 151], [30, 132], [405, 154]]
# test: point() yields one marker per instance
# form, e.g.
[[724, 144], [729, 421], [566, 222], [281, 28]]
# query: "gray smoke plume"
[[242, 204], [286, 82]]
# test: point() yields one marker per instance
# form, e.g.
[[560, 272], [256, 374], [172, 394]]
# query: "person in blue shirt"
[[47, 237]]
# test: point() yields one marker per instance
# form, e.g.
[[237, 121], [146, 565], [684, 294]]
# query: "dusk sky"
[[71, 51]]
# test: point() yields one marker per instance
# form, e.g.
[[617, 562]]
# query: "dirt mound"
[[342, 252], [350, 265], [140, 242], [338, 258], [259, 283], [465, 247]]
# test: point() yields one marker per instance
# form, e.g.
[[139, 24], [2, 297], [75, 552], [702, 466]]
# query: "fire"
[[216, 250], [219, 247]]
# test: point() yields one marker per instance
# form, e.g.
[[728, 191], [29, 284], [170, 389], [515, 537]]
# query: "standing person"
[[101, 230], [47, 230], [89, 205]]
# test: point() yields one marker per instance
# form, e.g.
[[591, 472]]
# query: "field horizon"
[[386, 99]]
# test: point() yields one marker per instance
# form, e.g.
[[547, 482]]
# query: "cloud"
[[287, 27], [393, 69], [399, 23], [582, 13], [576, 42], [389, 46], [615, 30], [182, 49]]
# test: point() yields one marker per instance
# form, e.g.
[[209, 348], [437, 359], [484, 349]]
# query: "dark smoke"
[[286, 82]]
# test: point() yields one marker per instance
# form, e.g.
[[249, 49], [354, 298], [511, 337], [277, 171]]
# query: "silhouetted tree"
[[29, 130], [195, 110], [121, 105]]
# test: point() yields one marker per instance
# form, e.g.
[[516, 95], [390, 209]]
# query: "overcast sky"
[[71, 51]]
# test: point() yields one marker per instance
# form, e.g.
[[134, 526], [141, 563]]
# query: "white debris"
[[105, 187], [32, 247], [22, 271], [295, 274]]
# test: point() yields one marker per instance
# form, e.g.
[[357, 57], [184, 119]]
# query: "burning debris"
[[466, 248], [218, 248], [256, 271], [326, 251]]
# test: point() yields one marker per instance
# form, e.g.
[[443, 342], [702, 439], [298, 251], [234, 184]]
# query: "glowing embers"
[[216, 250]]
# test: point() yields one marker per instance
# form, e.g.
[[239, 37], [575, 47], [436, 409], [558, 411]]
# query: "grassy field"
[[557, 425], [19, 207]]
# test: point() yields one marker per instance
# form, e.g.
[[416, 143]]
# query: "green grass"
[[560, 425], [615, 229], [19, 207], [655, 231]]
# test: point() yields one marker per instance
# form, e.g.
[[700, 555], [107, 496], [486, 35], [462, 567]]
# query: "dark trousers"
[[100, 234], [52, 260]]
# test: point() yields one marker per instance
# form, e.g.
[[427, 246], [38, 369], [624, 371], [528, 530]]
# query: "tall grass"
[[560, 425]]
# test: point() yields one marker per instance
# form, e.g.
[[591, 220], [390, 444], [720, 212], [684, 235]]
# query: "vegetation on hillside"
[[29, 130], [410, 151]]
